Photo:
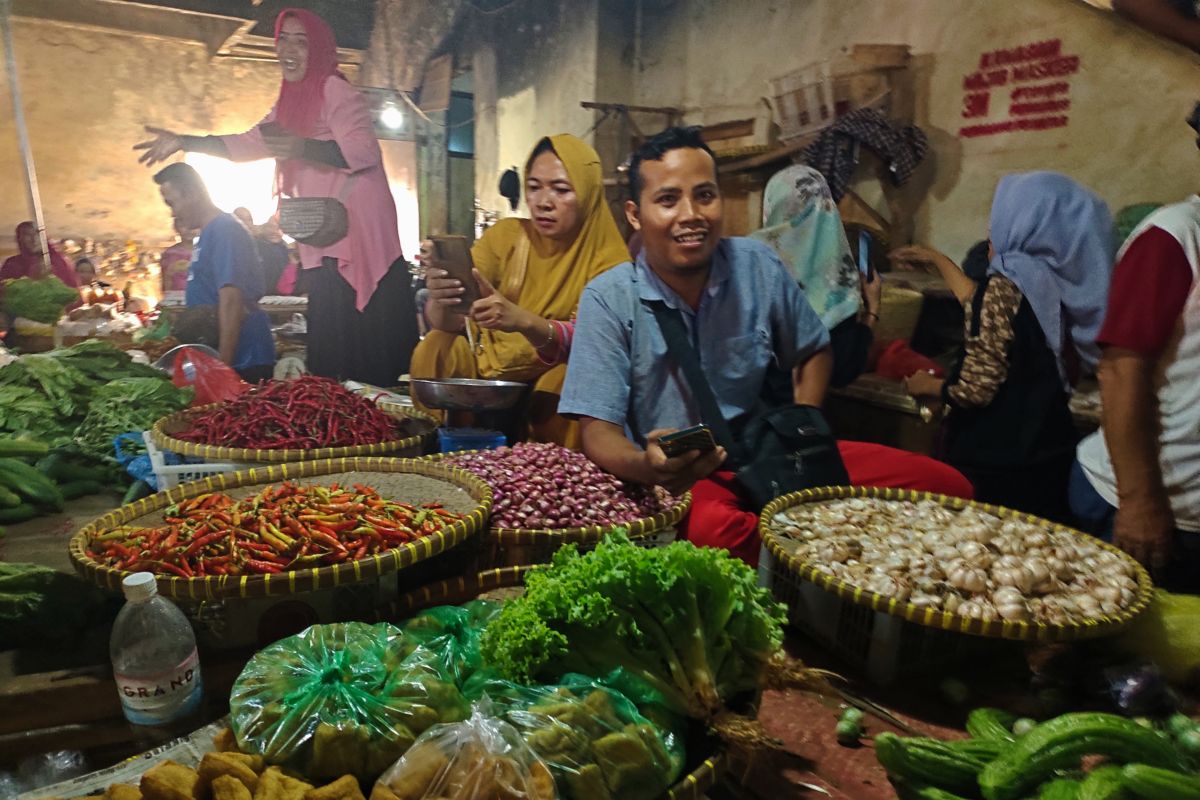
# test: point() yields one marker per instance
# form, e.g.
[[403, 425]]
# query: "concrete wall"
[[1125, 136], [87, 94]]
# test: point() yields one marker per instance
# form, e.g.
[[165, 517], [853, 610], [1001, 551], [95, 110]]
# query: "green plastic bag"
[[596, 743], [342, 698], [454, 632], [1167, 633]]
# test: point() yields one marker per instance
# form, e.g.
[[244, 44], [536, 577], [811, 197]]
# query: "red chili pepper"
[[263, 566]]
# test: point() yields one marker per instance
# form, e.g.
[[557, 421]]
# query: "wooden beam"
[[770, 157], [671, 112]]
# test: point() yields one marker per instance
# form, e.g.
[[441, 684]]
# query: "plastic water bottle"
[[154, 656]]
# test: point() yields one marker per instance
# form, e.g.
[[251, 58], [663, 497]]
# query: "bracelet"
[[549, 336], [873, 314]]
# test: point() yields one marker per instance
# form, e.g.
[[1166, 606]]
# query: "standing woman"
[[1031, 327], [362, 322]]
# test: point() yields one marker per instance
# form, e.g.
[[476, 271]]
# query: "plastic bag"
[[1168, 633], [342, 698], [453, 632], [214, 380], [483, 758], [596, 743]]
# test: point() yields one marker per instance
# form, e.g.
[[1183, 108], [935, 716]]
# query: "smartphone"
[[697, 437], [453, 254], [864, 255]]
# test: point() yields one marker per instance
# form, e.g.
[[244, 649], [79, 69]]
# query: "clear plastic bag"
[[596, 743], [483, 758], [342, 698], [455, 633]]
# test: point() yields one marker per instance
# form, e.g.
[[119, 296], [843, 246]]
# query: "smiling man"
[[743, 314]]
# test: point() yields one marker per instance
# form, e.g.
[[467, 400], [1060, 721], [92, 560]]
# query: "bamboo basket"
[[692, 786], [214, 587], [804, 572], [511, 547], [163, 436]]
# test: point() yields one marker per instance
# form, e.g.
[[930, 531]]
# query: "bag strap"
[[670, 322]]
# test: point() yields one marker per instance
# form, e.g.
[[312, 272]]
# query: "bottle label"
[[154, 699]]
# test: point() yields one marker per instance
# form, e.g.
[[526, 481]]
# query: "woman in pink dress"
[[362, 320]]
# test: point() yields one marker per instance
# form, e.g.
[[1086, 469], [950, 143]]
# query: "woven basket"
[[163, 435], [215, 587], [932, 618], [510, 547], [692, 786]]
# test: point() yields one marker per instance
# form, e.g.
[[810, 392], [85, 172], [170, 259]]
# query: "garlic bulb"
[[968, 579], [1010, 603]]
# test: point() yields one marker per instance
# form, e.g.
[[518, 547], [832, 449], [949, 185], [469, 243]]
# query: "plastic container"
[[154, 657], [453, 439]]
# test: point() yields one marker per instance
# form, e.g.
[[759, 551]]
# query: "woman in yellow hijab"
[[531, 273]]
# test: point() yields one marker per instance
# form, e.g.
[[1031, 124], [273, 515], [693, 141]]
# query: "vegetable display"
[[541, 485], [283, 527], [39, 300], [302, 414], [46, 396], [689, 623], [340, 699], [967, 562], [124, 405]]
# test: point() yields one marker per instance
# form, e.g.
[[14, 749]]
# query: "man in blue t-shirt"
[[225, 273]]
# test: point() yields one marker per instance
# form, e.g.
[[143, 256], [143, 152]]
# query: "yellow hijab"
[[554, 273]]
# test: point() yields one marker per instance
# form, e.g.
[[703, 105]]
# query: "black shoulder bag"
[[777, 451]]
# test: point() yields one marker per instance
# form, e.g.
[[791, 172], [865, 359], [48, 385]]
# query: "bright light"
[[250, 184], [392, 117]]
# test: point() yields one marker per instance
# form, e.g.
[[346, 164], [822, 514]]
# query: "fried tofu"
[[344, 788], [274, 785], [171, 781], [227, 787], [235, 765], [122, 791], [225, 741]]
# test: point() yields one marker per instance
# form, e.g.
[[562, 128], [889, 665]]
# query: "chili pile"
[[283, 527], [302, 414]]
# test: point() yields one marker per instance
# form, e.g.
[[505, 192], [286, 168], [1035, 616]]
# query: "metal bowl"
[[466, 394]]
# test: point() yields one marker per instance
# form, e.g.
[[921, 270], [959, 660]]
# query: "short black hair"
[[543, 146], [183, 177], [657, 146], [81, 261]]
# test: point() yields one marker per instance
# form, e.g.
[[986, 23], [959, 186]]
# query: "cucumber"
[[137, 490], [8, 498], [22, 513], [1060, 789], [1103, 783], [1061, 742], [1153, 783], [921, 760], [74, 489], [20, 447], [991, 723], [909, 791], [30, 484], [61, 469]]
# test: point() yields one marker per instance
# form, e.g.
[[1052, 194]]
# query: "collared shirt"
[[752, 314]]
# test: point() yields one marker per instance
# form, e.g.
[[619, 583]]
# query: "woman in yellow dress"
[[531, 273]]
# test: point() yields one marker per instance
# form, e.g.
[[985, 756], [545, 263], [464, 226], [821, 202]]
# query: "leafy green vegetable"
[[41, 300], [39, 604], [124, 405], [691, 623]]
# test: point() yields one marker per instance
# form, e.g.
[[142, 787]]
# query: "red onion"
[[537, 485]]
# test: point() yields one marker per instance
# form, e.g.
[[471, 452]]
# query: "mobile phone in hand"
[[453, 254], [697, 437]]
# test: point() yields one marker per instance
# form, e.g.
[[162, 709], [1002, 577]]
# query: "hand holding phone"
[[453, 254], [697, 437]]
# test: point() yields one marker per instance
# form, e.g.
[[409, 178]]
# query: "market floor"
[[44, 540]]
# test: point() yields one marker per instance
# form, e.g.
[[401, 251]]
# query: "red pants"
[[719, 515]]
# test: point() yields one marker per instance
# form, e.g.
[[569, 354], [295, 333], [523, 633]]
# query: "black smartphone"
[[453, 254], [697, 437]]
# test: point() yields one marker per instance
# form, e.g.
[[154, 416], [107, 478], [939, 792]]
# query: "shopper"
[[225, 275], [531, 273], [744, 312], [29, 261], [1030, 328], [362, 321]]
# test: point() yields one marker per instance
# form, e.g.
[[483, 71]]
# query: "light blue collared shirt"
[[752, 314]]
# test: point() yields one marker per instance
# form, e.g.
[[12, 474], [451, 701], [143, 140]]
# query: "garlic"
[[1017, 577], [1010, 603], [968, 579]]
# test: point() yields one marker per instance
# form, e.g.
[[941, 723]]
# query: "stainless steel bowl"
[[466, 394]]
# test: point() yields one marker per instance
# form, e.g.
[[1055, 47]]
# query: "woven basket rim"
[[589, 534], [214, 587], [1002, 629], [163, 439]]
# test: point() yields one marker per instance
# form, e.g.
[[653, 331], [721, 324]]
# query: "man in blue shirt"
[[744, 313], [225, 273]]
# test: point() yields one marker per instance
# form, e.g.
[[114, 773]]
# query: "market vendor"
[[175, 259], [744, 312], [224, 275], [29, 263], [1030, 327], [531, 273]]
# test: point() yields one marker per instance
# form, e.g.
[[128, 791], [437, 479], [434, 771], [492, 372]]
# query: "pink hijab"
[[29, 263], [299, 104]]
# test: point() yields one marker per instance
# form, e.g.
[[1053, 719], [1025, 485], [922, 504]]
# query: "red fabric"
[[29, 264], [898, 361], [718, 518], [299, 104], [870, 464], [719, 515], [1150, 285]]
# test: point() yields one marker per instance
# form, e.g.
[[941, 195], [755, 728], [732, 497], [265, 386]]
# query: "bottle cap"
[[139, 586]]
